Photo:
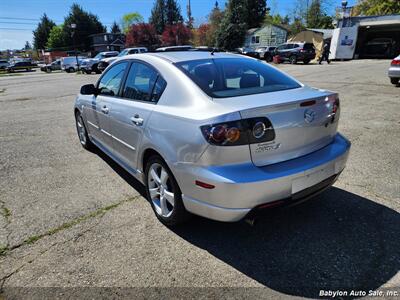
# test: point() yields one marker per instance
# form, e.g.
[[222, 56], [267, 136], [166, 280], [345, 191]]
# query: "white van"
[[68, 64]]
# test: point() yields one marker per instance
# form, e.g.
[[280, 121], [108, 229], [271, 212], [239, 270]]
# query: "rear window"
[[308, 46], [231, 77]]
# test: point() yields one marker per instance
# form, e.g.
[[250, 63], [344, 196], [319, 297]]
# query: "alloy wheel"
[[81, 130], [160, 190]]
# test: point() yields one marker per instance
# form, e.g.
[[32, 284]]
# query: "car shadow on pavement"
[[132, 181], [337, 241]]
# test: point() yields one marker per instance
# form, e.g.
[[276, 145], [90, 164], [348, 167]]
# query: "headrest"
[[249, 81]]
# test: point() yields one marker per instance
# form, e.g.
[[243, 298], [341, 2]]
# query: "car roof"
[[179, 56]]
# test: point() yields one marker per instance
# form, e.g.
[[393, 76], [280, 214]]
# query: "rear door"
[[130, 113]]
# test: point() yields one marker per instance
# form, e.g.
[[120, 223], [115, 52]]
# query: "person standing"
[[325, 54]]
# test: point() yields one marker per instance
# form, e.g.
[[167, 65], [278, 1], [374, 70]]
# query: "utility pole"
[[73, 27]]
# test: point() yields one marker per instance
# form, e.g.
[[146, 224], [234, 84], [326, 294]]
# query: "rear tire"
[[293, 59], [164, 193], [306, 61], [394, 80], [82, 133], [71, 70], [268, 58]]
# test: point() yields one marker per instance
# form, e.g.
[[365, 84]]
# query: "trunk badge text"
[[267, 147], [309, 115]]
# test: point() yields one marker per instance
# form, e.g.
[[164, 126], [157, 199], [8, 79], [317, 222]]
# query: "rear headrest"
[[249, 81], [205, 72]]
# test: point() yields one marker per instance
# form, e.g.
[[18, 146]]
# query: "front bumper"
[[241, 188]]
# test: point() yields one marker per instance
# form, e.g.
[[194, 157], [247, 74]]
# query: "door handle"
[[104, 109], [137, 120]]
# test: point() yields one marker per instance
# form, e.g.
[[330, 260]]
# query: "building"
[[107, 42], [268, 35], [366, 36]]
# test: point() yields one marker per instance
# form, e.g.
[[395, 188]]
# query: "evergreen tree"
[[256, 10], [42, 31], [214, 20], [157, 18], [232, 31], [27, 46], [172, 13], [115, 28], [86, 24]]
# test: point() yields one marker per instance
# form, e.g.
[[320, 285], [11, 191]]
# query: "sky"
[[19, 18]]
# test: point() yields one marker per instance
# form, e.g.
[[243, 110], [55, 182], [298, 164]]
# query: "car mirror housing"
[[88, 89]]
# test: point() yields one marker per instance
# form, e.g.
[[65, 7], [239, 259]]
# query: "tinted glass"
[[230, 77], [308, 46], [158, 89], [111, 81], [140, 81]]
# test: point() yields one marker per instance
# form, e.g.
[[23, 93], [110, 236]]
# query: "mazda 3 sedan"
[[213, 134]]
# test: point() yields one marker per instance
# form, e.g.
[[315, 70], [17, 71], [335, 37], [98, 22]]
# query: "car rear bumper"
[[240, 189], [394, 72]]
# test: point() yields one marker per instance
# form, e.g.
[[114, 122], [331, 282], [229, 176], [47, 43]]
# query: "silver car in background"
[[105, 62], [394, 70], [218, 135]]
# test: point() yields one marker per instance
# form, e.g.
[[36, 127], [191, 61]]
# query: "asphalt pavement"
[[72, 219]]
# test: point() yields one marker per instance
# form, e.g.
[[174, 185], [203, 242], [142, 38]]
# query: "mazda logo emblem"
[[309, 115]]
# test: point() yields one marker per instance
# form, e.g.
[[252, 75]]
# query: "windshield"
[[125, 52], [231, 77], [99, 56]]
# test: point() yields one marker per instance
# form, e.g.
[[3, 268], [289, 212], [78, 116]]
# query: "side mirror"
[[88, 89]]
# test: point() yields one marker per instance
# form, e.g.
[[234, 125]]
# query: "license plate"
[[311, 179]]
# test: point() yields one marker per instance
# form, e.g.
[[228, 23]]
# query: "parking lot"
[[72, 218]]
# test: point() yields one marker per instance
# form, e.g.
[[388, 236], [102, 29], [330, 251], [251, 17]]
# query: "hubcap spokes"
[[81, 130], [160, 190]]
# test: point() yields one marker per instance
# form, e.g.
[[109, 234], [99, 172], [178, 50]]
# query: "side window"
[[139, 83], [111, 81], [159, 88]]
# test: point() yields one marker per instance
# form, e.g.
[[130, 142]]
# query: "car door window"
[[139, 83], [110, 83]]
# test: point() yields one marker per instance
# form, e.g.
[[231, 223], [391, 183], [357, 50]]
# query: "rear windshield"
[[308, 46], [231, 77]]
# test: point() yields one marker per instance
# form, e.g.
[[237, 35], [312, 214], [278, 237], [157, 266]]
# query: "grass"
[[6, 212], [34, 238]]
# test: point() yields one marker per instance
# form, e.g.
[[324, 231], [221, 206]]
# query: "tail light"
[[302, 50], [241, 132], [395, 62], [334, 104]]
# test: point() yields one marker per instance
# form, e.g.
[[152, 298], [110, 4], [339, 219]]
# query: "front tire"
[[82, 133], [293, 60], [164, 193]]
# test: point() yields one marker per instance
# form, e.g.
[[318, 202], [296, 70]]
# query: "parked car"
[[174, 48], [69, 64], [55, 65], [105, 62], [247, 51], [295, 52], [90, 65], [379, 48], [394, 70], [266, 53], [20, 65], [4, 64], [217, 135]]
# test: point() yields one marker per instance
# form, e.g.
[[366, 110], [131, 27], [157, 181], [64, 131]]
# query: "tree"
[[377, 7], [214, 20], [276, 19], [115, 28], [130, 19], [172, 13], [296, 26], [232, 31], [86, 24], [256, 10], [177, 34], [56, 38], [202, 36], [27, 46], [142, 34], [165, 12], [42, 31], [157, 18], [316, 17]]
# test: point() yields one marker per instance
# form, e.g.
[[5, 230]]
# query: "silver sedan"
[[213, 134], [394, 70]]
